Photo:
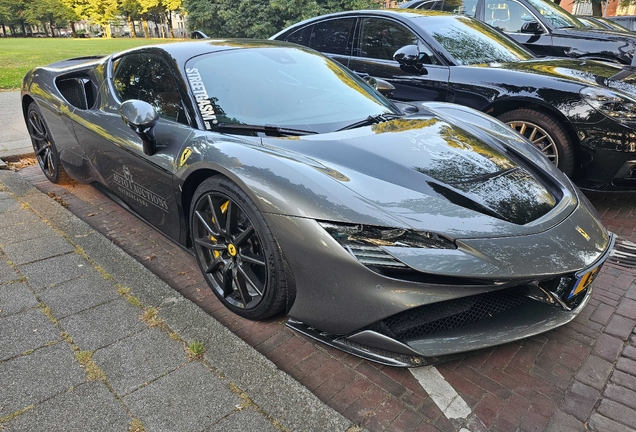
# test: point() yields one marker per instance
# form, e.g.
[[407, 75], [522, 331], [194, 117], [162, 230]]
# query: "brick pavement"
[[582, 375]]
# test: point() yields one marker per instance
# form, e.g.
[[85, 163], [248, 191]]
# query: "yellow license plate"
[[583, 282]]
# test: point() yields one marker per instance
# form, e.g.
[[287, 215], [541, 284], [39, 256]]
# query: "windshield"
[[590, 23], [613, 25], [281, 87], [472, 42], [559, 18]]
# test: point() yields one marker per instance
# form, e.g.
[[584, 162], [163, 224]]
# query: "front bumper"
[[609, 156], [437, 332], [337, 294]]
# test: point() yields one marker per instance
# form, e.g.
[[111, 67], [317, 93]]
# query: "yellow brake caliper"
[[224, 206], [212, 238]]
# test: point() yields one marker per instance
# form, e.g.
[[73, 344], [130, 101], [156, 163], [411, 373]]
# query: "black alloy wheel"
[[236, 251], [44, 146], [546, 133]]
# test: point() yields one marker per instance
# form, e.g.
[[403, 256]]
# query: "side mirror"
[[408, 55], [380, 85], [532, 27], [411, 60], [141, 117]]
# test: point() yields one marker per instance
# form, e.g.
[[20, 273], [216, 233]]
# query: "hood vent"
[[513, 195]]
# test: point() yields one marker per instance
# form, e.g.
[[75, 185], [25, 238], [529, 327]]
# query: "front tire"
[[546, 133], [43, 145], [236, 250]]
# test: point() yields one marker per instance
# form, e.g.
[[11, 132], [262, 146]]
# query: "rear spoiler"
[[74, 61]]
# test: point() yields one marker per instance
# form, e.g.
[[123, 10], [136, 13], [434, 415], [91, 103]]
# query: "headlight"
[[614, 105], [381, 236], [364, 242]]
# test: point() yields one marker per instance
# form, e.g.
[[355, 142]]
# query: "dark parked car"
[[397, 236], [601, 23], [542, 26], [627, 21], [580, 113]]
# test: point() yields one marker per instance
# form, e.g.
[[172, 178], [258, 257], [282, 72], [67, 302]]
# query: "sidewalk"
[[91, 340], [15, 141]]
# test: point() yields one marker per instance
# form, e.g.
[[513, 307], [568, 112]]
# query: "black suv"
[[542, 26]]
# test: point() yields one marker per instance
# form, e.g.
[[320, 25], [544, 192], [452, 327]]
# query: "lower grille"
[[429, 319]]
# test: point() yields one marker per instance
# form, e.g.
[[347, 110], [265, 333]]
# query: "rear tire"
[[546, 133], [43, 145], [236, 251]]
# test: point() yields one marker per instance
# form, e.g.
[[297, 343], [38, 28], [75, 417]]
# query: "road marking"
[[442, 393]]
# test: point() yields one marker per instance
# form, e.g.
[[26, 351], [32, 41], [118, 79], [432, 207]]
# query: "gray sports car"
[[397, 232]]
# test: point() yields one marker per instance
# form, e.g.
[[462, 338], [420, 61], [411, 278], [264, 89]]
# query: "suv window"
[[460, 7], [147, 77], [330, 36], [301, 37], [381, 38], [507, 15]]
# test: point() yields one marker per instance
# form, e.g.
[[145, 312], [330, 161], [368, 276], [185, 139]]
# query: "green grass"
[[196, 349], [19, 55]]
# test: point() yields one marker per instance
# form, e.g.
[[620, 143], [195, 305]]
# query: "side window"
[[332, 36], [380, 39], [460, 7], [301, 37], [508, 16], [147, 77]]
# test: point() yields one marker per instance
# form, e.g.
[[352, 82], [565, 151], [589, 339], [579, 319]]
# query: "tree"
[[5, 16], [160, 11], [259, 18], [14, 12], [101, 12], [131, 11], [77, 10], [203, 15], [172, 6], [53, 13], [248, 18]]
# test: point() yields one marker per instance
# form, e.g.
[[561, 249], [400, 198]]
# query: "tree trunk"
[[169, 21], [107, 33], [131, 24], [52, 27], [597, 9], [146, 29], [4, 30], [73, 29], [23, 29]]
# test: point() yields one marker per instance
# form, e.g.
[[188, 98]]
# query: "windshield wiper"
[[371, 120], [267, 129]]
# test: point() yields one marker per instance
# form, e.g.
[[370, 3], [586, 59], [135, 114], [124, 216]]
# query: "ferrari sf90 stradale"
[[397, 232]]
